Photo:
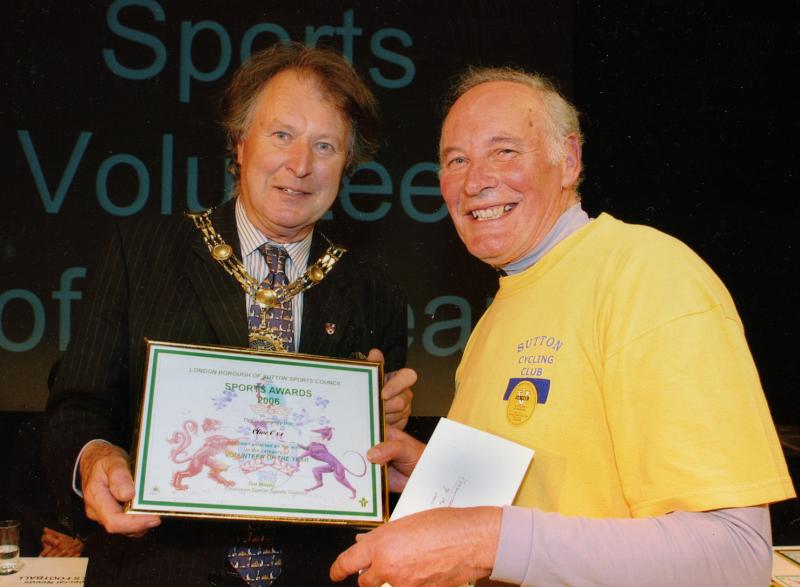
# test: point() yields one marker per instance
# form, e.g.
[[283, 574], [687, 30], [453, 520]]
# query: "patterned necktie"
[[256, 558], [279, 317]]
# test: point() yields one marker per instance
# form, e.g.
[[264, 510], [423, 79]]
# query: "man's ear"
[[572, 165]]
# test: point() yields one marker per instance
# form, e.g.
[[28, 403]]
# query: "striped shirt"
[[250, 238]]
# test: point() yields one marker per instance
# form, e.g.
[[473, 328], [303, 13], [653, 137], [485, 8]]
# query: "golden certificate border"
[[234, 433]]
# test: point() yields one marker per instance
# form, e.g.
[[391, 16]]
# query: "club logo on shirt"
[[522, 395]]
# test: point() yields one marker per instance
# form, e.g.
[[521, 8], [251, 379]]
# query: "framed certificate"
[[235, 433]]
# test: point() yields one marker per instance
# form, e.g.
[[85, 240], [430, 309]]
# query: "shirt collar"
[[250, 239]]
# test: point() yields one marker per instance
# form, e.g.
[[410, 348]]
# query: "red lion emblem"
[[203, 456]]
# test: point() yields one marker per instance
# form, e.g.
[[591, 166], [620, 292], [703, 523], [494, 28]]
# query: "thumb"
[[395, 447], [120, 482], [375, 355]]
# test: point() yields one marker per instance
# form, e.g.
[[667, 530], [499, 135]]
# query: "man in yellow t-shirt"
[[612, 350]]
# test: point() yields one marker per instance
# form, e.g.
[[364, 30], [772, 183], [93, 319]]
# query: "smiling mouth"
[[292, 192], [491, 213]]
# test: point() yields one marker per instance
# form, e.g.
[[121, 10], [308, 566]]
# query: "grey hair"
[[561, 118]]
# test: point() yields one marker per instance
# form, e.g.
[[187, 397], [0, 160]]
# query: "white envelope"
[[464, 467]]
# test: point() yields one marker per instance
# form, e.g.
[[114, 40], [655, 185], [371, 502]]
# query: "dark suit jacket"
[[156, 279]]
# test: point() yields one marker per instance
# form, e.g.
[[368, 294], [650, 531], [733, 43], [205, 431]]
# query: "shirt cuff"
[[514, 546]]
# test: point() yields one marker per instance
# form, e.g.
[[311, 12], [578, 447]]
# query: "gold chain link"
[[223, 253]]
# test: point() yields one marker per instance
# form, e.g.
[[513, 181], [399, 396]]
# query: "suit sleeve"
[[89, 398]]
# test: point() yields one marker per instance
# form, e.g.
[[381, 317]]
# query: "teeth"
[[491, 213], [290, 191]]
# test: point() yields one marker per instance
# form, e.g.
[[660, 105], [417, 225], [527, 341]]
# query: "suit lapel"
[[221, 296], [328, 309]]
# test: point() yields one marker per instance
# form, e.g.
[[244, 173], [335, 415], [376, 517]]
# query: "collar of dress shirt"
[[250, 238]]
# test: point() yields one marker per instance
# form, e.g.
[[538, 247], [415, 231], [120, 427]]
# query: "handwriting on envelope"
[[464, 467]]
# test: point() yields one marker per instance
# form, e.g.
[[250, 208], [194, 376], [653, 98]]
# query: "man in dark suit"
[[297, 118]]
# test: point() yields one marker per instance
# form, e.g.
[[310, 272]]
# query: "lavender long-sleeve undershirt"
[[728, 547]]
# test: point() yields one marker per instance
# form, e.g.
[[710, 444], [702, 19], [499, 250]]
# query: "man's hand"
[[396, 392], [107, 484], [436, 548], [55, 543], [401, 452]]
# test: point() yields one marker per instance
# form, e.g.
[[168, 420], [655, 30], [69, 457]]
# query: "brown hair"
[[336, 78]]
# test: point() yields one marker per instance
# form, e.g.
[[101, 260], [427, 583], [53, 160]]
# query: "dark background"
[[691, 127], [60, 88], [690, 116]]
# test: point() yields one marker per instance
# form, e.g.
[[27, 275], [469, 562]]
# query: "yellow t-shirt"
[[620, 358]]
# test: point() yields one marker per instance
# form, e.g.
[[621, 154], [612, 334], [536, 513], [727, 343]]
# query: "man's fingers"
[[99, 501], [382, 453], [369, 579], [107, 483], [399, 380], [398, 407], [396, 435], [399, 424], [133, 526], [120, 482], [100, 465], [397, 480], [48, 537], [398, 446], [108, 513], [375, 355], [350, 562], [396, 392], [104, 508]]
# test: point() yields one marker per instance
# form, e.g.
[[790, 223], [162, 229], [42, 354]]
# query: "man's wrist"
[[488, 536]]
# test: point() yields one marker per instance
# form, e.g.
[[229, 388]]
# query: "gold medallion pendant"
[[264, 339], [521, 403], [266, 298]]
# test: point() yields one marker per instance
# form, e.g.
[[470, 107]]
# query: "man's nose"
[[480, 176], [300, 159]]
